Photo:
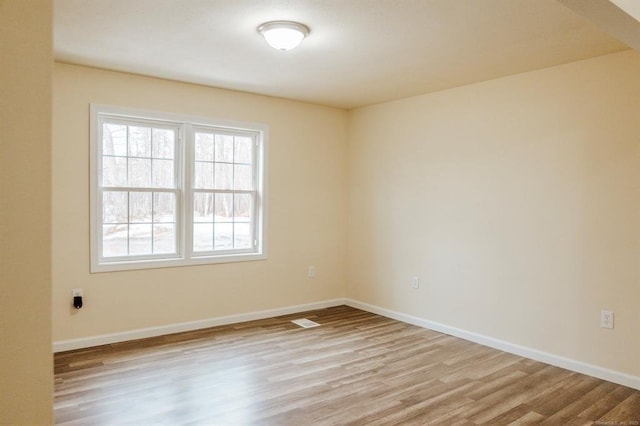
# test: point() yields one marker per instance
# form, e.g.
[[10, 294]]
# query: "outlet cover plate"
[[415, 283], [606, 319]]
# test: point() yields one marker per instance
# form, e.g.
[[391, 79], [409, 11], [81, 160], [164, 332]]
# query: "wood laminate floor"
[[356, 368]]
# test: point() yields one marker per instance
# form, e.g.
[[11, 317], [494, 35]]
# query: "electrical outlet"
[[415, 282], [311, 273], [77, 298], [606, 319]]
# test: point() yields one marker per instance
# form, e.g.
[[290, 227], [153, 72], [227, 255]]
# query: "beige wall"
[[306, 223], [26, 367], [517, 203]]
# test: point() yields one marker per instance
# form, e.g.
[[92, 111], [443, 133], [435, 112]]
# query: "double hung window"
[[171, 190]]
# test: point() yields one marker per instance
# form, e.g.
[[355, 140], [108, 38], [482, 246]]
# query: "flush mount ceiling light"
[[283, 35]]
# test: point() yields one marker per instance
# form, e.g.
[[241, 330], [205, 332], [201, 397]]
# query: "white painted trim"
[[548, 358], [105, 339]]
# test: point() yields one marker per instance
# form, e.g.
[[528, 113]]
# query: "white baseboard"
[[548, 358], [559, 361], [105, 339]]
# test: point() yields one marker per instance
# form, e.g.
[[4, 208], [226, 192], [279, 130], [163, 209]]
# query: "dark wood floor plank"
[[357, 368]]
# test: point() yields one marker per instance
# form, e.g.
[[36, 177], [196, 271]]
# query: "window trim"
[[184, 172]]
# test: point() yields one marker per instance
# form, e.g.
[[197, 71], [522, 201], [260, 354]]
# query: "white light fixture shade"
[[283, 35]]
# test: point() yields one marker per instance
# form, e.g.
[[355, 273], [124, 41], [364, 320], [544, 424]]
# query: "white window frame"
[[184, 161]]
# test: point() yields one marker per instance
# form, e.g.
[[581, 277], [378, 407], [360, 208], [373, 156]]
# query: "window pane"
[[114, 139], [242, 235], [114, 207], [164, 239], [139, 141], [202, 236], [224, 148], [163, 143], [139, 172], [204, 147], [223, 233], [203, 175], [139, 207], [243, 207], [224, 208], [163, 176], [202, 207], [243, 149], [140, 239], [114, 240], [164, 207], [242, 177], [223, 176], [114, 171]]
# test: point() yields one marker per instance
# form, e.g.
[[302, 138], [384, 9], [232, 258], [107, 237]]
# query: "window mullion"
[[188, 159], [153, 218], [128, 223], [127, 155], [254, 212], [255, 194], [138, 189]]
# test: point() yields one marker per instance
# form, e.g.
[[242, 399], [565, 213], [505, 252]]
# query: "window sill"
[[132, 265]]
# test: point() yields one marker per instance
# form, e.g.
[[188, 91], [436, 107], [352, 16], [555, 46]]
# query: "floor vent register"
[[306, 323]]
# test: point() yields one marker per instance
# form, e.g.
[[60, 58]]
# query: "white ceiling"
[[359, 52]]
